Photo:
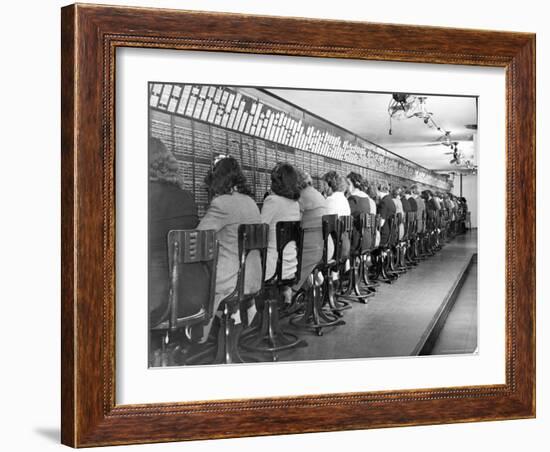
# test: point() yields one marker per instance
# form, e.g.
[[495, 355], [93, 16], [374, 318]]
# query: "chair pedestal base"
[[383, 267], [353, 291], [366, 263], [225, 350], [269, 337], [314, 317], [330, 299]]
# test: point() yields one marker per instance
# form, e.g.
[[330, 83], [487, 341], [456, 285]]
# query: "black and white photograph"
[[290, 224]]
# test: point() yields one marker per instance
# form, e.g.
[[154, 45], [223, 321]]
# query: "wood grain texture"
[[90, 36]]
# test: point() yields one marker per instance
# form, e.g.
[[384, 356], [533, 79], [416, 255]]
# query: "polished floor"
[[396, 319], [459, 334]]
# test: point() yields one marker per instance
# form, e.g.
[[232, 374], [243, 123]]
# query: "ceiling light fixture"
[[404, 106]]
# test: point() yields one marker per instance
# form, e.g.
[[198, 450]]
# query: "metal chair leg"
[[331, 294], [365, 268]]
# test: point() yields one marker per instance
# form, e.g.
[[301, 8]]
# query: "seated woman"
[[395, 193], [231, 206], [408, 198], [432, 209], [281, 205], [386, 208], [420, 208], [358, 200], [336, 203], [170, 207], [372, 195], [373, 198], [335, 188], [312, 208]]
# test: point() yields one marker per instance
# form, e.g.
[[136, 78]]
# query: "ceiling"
[[366, 114]]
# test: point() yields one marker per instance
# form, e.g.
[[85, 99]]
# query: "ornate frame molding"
[[90, 37]]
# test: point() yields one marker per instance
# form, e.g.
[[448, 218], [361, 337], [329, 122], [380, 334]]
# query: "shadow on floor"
[[50, 433]]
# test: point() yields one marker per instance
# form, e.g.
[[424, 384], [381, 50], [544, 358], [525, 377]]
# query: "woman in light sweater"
[[336, 203], [231, 206], [281, 205], [312, 207]]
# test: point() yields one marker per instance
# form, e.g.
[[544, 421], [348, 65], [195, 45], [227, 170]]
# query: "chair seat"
[[180, 323]]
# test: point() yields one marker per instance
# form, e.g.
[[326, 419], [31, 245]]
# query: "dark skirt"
[[312, 253]]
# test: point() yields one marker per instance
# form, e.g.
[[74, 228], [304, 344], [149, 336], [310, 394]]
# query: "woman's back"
[[275, 209], [313, 207], [338, 204], [359, 204], [225, 214], [170, 207], [386, 209], [399, 209]]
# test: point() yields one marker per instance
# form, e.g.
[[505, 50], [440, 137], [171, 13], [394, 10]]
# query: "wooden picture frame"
[[90, 36]]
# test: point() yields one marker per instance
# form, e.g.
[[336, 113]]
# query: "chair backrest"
[[398, 222], [443, 217], [364, 232], [424, 225], [251, 237], [330, 232], [393, 226], [192, 262], [405, 225], [430, 220], [345, 230], [411, 225], [285, 233], [377, 226]]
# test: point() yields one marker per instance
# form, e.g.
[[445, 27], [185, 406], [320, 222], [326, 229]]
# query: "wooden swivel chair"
[[444, 224], [269, 337], [422, 238], [411, 251], [314, 317], [397, 247], [420, 224], [251, 238], [431, 232], [385, 256], [191, 254], [370, 230], [361, 244]]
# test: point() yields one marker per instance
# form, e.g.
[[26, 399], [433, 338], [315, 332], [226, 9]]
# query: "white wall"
[[469, 191], [30, 226]]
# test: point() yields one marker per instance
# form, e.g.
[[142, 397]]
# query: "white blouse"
[[337, 203]]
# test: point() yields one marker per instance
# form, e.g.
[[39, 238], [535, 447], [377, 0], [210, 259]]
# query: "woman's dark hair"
[[357, 180], [335, 181], [383, 187], [304, 179], [284, 181], [395, 191], [426, 194], [225, 175], [371, 191]]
